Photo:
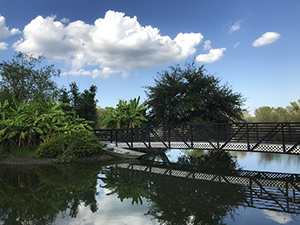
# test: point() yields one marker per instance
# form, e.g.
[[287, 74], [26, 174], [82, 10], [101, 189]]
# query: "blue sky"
[[120, 46]]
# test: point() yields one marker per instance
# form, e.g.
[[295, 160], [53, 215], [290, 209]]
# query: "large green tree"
[[190, 95], [24, 78]]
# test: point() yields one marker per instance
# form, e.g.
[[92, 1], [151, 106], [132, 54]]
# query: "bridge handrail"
[[217, 135]]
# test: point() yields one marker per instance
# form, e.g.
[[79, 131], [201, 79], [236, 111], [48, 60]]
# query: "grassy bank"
[[26, 156], [20, 156]]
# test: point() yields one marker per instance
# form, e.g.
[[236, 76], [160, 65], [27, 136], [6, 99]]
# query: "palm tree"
[[136, 113], [125, 115]]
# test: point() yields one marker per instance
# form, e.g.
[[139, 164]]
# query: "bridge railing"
[[264, 190], [274, 137]]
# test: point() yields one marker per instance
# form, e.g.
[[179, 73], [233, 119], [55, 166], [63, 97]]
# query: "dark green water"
[[207, 190]]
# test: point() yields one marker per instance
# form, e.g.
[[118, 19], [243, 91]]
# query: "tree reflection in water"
[[174, 200], [36, 195], [196, 202], [126, 184]]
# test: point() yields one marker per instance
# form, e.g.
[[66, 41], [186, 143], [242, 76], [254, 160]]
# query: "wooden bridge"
[[252, 137], [264, 190]]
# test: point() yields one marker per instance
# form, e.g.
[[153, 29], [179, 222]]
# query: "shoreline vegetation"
[[23, 156], [43, 161]]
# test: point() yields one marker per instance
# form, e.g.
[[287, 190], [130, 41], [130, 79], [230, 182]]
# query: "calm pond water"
[[178, 187]]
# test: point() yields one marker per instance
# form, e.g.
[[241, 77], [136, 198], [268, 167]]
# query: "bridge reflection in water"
[[263, 190]]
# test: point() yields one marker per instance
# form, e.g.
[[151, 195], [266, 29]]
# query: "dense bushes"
[[44, 125], [69, 146], [28, 123]]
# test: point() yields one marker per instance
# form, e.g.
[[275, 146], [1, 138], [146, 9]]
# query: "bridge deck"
[[231, 146]]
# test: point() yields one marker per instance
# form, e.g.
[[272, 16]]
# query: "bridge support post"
[[283, 140], [247, 132], [218, 136], [131, 138], [169, 136], [191, 137], [111, 134]]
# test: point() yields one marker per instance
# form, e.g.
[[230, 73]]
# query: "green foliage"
[[270, 114], [69, 146], [126, 185], [100, 112], [216, 161], [84, 104], [125, 115], [21, 77], [27, 123], [189, 95]]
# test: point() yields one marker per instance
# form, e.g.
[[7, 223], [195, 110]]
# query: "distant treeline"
[[290, 113]]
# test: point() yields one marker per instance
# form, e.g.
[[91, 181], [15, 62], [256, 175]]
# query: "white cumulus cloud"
[[5, 32], [236, 26], [115, 43], [3, 46], [65, 20], [266, 38], [104, 73], [207, 45], [212, 56]]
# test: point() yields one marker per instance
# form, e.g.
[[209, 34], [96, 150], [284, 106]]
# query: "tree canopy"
[[271, 114], [190, 95], [23, 78], [84, 104]]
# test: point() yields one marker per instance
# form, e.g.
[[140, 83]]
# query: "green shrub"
[[69, 146]]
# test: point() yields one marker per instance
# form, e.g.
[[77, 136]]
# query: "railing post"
[[289, 133], [192, 141], [116, 137], [257, 136], [149, 137], [218, 136], [247, 134], [283, 140], [169, 136], [131, 137], [111, 138]]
